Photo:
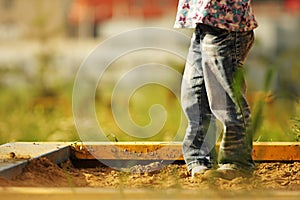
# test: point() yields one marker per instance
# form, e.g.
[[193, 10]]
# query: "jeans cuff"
[[192, 164]]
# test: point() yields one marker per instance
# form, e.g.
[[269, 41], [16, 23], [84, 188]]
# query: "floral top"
[[233, 15]]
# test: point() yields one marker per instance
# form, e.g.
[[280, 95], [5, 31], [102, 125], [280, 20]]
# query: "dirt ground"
[[43, 173]]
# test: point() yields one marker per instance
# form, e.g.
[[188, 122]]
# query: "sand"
[[43, 173]]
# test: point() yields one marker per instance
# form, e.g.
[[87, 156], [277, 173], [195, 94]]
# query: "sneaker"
[[200, 169], [229, 172]]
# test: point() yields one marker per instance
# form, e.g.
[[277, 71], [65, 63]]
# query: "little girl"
[[213, 85]]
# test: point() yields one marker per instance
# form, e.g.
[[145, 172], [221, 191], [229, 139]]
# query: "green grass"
[[26, 116], [41, 112], [139, 106]]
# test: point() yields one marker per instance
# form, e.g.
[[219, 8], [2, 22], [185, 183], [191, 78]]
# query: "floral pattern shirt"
[[232, 15]]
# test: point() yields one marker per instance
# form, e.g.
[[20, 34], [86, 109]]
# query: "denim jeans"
[[213, 88]]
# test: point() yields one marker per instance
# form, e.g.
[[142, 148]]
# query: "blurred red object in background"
[[100, 10], [292, 6]]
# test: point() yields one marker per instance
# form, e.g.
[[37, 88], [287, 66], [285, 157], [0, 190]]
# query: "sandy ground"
[[43, 173]]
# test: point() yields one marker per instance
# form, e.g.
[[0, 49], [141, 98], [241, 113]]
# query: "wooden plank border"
[[262, 151], [79, 193], [15, 156], [276, 151]]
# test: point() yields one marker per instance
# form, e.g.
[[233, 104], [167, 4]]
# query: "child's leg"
[[198, 145], [223, 54]]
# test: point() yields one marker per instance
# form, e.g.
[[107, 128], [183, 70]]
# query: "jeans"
[[213, 88]]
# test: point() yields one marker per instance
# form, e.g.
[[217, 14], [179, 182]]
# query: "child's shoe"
[[200, 169]]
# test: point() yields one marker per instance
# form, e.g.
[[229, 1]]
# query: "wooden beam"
[[15, 156], [79, 193], [276, 151], [128, 151], [262, 151]]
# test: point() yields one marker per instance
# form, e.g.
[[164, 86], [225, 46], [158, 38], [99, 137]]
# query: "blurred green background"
[[43, 43]]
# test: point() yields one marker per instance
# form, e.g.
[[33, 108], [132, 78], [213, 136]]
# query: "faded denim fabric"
[[213, 87]]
